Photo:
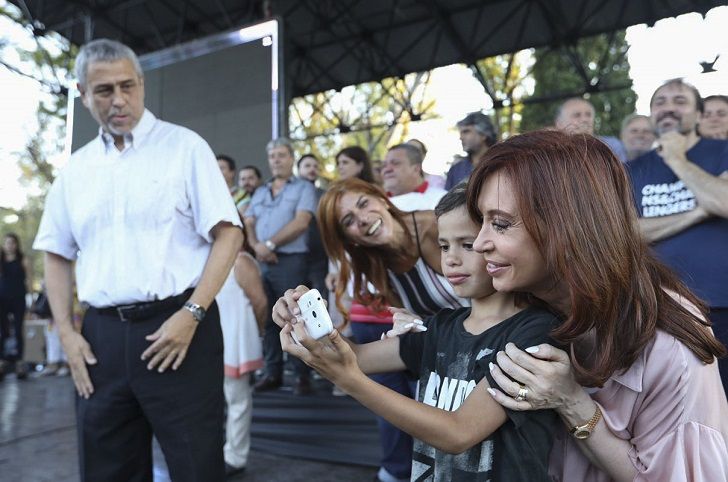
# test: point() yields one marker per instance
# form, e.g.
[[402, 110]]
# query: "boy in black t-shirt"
[[468, 435], [450, 359]]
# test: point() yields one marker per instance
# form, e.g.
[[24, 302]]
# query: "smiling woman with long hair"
[[638, 388], [374, 242]]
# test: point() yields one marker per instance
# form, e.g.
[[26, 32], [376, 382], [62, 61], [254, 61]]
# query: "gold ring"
[[522, 394]]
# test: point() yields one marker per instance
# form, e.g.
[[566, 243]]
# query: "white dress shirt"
[[137, 221], [419, 201]]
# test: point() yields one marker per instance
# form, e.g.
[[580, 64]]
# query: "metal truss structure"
[[330, 44]]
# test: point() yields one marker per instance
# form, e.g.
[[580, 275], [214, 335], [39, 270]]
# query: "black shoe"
[[302, 386], [231, 471], [267, 383], [21, 371]]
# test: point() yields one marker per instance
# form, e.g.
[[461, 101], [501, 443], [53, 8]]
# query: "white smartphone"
[[315, 315]]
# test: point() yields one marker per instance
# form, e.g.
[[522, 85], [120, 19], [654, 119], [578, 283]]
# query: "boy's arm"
[[386, 355], [453, 432], [378, 356]]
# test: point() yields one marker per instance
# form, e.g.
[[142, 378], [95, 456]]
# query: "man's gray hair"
[[631, 118], [103, 50], [482, 124], [280, 142], [560, 108]]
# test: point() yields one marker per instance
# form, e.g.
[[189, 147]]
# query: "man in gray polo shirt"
[[277, 227]]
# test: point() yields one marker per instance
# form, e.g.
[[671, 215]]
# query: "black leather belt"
[[147, 309]]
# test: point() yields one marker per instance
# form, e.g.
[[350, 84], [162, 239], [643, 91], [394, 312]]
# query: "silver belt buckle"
[[120, 311]]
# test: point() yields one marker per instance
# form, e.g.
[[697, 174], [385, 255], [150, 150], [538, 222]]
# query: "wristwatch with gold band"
[[583, 432]]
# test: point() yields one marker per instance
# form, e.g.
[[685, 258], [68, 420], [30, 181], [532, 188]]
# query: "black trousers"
[[183, 408], [14, 307], [316, 276], [289, 272]]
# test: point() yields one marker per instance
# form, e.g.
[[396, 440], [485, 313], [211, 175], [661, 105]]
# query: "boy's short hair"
[[455, 198]]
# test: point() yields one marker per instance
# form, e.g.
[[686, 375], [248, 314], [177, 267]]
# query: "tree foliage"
[[47, 59], [373, 115], [504, 76], [596, 67]]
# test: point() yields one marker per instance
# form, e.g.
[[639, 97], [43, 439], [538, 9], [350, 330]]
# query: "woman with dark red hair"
[[638, 388]]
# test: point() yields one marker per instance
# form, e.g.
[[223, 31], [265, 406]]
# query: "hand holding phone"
[[315, 315]]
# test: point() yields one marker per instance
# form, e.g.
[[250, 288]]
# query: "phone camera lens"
[[314, 314]]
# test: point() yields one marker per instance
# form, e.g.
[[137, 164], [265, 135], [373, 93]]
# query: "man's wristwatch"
[[270, 244], [198, 312], [582, 432]]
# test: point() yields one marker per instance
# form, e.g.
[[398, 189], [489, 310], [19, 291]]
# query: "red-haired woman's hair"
[[364, 264], [576, 202]]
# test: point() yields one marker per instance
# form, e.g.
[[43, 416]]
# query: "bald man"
[[576, 116]]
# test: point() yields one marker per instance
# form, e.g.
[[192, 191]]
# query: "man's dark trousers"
[[289, 272], [183, 407]]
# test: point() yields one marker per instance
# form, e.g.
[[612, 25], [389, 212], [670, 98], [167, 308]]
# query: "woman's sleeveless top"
[[12, 280]]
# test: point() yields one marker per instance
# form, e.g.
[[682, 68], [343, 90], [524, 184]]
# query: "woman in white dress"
[[243, 306]]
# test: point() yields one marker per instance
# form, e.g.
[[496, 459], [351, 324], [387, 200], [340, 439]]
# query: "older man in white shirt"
[[144, 213], [404, 180]]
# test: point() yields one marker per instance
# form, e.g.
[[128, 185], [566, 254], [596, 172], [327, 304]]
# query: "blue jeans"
[[396, 444]]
